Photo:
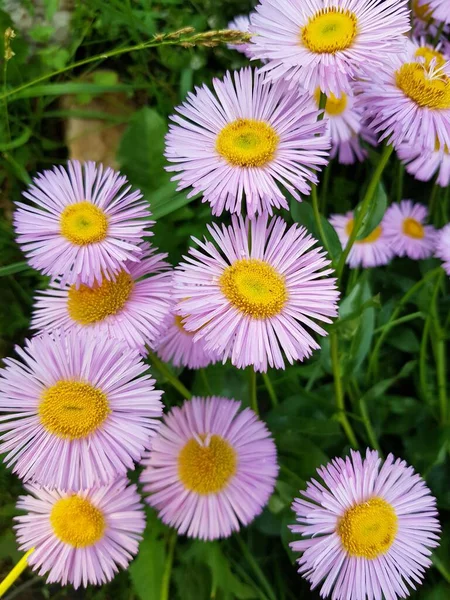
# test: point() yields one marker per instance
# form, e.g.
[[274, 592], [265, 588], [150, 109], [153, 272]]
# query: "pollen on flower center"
[[426, 88], [372, 237], [413, 228], [254, 287], [73, 409], [334, 106], [330, 30], [247, 143], [77, 522], [368, 530], [429, 54], [206, 466], [87, 305], [83, 223]]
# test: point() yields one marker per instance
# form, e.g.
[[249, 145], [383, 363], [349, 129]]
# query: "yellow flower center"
[[372, 237], [429, 54], [83, 223], [368, 530], [335, 106], [254, 288], [72, 409], [207, 468], [426, 89], [88, 305], [413, 228], [422, 11], [77, 522], [330, 30], [247, 143]]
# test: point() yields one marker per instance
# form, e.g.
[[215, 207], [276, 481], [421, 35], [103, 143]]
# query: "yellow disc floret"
[[77, 522], [330, 30], [72, 409], [427, 88], [87, 305], [206, 468], [254, 287], [334, 106], [83, 223], [247, 143], [422, 11], [368, 530], [414, 229], [372, 237]]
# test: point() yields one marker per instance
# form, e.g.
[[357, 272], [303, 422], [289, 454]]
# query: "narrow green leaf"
[[14, 268]]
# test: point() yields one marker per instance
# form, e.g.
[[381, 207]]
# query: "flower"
[[425, 164], [241, 23], [423, 20], [177, 346], [406, 232], [327, 43], [249, 140], [366, 528], [372, 251], [410, 100], [255, 291], [443, 247], [80, 538], [77, 411], [132, 307], [351, 150], [84, 225], [440, 10], [210, 468]]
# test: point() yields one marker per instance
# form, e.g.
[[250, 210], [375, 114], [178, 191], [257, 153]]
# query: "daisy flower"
[[343, 119], [255, 291], [245, 143], [83, 225], [350, 151], [410, 100], [241, 23], [425, 164], [178, 347], [440, 9], [77, 410], [423, 19], [443, 247], [132, 307], [367, 528], [326, 43], [80, 538], [372, 251], [210, 468], [406, 232]]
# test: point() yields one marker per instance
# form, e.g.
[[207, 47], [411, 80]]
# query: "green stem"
[[205, 381], [174, 381], [325, 186], [441, 568], [368, 425], [253, 399], [318, 218], [256, 568], [440, 352], [270, 389], [400, 321], [165, 584], [365, 205], [339, 391], [423, 359]]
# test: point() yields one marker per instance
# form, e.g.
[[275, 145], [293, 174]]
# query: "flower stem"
[[318, 218], [174, 381], [365, 205], [165, 584], [270, 389], [440, 352], [253, 400], [15, 573], [339, 391]]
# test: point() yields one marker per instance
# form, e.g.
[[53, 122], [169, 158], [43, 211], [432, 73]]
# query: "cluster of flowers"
[[80, 408]]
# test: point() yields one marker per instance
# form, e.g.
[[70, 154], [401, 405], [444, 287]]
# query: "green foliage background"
[[393, 326]]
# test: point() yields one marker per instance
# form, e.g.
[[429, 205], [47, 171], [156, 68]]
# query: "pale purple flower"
[[133, 307], [423, 21], [244, 143], [372, 251], [80, 538], [84, 223], [424, 164], [440, 10], [211, 468], [327, 43], [178, 347], [443, 247], [253, 293], [406, 231], [350, 151], [241, 23], [77, 410], [367, 528]]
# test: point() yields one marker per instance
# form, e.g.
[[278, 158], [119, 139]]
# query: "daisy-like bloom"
[[350, 151], [372, 251], [245, 143], [423, 20], [241, 23], [210, 468], [177, 346], [77, 410], [443, 247], [425, 164], [326, 43], [367, 528], [406, 232], [409, 101], [252, 295], [440, 9], [83, 225], [132, 307], [80, 538], [343, 118]]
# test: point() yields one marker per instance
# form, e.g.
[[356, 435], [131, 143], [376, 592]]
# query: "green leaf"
[[303, 214], [14, 268], [374, 214]]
